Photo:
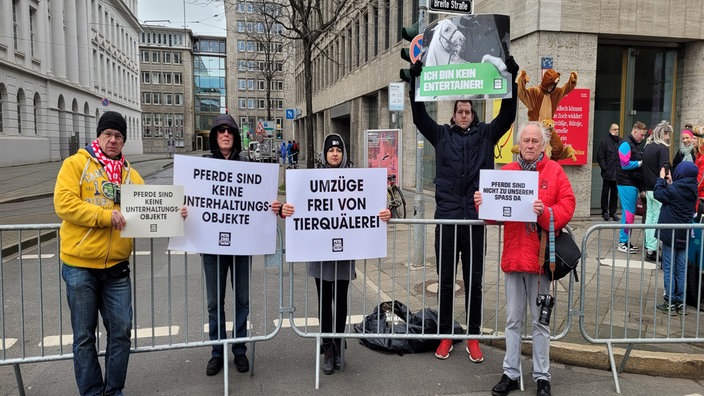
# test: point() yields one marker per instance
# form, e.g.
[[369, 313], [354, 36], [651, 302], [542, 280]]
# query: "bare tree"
[[306, 21]]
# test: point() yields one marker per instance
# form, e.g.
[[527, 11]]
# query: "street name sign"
[[452, 6]]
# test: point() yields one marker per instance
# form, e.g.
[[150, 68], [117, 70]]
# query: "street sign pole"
[[418, 204]]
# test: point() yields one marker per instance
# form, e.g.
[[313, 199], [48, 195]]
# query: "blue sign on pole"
[[290, 114]]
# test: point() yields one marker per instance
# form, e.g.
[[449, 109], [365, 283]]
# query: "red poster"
[[572, 124], [383, 147]]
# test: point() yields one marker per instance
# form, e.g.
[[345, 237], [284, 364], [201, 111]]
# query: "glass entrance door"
[[632, 84]]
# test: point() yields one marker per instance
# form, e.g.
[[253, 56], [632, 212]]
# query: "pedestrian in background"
[[686, 151], [95, 256], [656, 156], [629, 181], [521, 259], [607, 157], [462, 148], [678, 197], [282, 149], [332, 278]]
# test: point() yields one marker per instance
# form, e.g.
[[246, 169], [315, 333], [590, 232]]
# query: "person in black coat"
[[656, 155], [462, 148], [608, 162]]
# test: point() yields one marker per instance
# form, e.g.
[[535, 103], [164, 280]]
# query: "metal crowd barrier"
[[169, 303], [620, 292], [408, 275]]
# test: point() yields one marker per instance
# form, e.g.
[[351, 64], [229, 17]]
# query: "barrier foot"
[[317, 362], [612, 362], [626, 355], [18, 379], [251, 366]]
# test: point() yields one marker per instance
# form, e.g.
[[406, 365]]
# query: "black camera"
[[666, 166], [545, 302]]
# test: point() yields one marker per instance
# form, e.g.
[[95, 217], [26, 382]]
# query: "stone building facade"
[[640, 62]]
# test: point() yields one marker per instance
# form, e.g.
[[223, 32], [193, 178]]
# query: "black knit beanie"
[[112, 120], [332, 141]]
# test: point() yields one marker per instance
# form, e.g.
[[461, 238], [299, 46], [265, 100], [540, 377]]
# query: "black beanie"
[[112, 120], [332, 141]]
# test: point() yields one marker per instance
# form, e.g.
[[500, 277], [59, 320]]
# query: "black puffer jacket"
[[460, 154]]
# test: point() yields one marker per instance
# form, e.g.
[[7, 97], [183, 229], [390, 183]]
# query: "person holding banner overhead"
[[462, 148], [332, 278], [94, 255], [522, 259]]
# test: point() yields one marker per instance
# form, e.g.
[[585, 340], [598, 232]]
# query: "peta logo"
[[506, 211], [337, 245], [225, 239]]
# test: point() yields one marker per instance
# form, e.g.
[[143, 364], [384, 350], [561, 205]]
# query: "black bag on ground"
[[567, 256], [393, 317]]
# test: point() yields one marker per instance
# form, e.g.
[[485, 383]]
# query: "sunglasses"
[[224, 129]]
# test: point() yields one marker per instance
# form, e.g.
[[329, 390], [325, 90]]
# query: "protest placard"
[[508, 195], [151, 211], [229, 206], [336, 214]]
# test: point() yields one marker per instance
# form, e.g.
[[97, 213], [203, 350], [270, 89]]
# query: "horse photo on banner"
[[464, 57]]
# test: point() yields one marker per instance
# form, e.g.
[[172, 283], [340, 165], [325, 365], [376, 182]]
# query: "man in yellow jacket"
[[95, 256]]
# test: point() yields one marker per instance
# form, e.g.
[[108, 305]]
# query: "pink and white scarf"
[[112, 167]]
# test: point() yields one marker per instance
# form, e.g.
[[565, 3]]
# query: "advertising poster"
[[383, 150], [151, 211], [464, 58], [508, 195], [572, 124], [336, 214], [229, 206]]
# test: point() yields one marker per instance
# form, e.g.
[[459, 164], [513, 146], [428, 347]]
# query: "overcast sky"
[[203, 17]]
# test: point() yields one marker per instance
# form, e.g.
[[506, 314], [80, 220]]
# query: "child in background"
[[679, 197]]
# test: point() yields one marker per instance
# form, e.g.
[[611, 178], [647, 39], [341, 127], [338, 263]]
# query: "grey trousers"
[[522, 290]]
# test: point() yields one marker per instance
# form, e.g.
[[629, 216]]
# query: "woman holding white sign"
[[522, 261], [332, 278]]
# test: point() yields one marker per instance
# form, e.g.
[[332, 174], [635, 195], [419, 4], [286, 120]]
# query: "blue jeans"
[[673, 273], [215, 285], [88, 295]]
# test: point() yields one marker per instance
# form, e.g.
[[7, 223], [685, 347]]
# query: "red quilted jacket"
[[521, 247]]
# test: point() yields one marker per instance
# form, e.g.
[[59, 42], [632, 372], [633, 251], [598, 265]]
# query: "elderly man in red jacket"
[[520, 260]]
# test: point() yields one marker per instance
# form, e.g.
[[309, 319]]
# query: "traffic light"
[[408, 33]]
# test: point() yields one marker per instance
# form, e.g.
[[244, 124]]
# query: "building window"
[[242, 103], [155, 56], [251, 45], [178, 79], [261, 84], [178, 99], [20, 99], [146, 98], [168, 99], [177, 58], [145, 78], [262, 104], [166, 78], [251, 103], [156, 78], [15, 24], [32, 27], [241, 45], [241, 26], [156, 98], [35, 108], [250, 84], [167, 56], [242, 84]]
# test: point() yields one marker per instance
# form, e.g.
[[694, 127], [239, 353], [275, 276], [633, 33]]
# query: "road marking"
[[142, 253], [7, 342], [35, 256], [174, 252], [67, 339]]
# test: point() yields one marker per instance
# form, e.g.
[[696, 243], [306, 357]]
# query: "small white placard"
[[508, 195], [151, 211]]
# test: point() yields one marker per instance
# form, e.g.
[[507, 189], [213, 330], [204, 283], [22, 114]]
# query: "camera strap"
[[543, 241]]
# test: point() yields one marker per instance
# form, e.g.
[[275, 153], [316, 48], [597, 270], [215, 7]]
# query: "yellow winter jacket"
[[87, 237]]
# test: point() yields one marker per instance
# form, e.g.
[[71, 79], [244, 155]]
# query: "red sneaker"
[[444, 349], [475, 354]]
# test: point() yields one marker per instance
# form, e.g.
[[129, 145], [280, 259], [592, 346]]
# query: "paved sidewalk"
[[33, 181]]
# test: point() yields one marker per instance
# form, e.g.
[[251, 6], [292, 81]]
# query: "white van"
[[254, 152]]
